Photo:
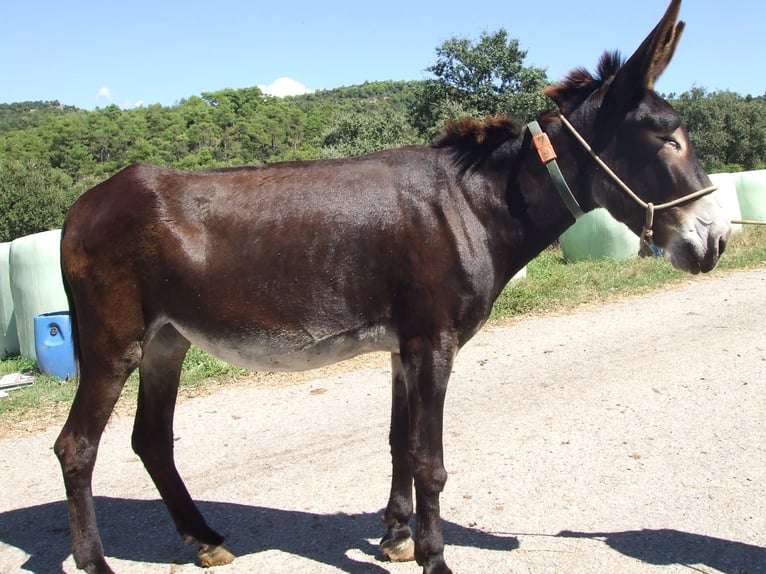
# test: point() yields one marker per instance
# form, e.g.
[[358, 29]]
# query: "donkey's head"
[[644, 142]]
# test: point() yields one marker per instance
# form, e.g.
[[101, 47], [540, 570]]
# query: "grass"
[[46, 390], [554, 284], [551, 285], [52, 394]]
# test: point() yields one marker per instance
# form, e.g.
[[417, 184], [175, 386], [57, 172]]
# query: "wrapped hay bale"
[[751, 191], [726, 194], [9, 339], [598, 235], [36, 283]]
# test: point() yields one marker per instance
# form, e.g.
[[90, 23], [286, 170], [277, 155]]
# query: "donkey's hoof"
[[398, 550], [99, 566], [210, 555]]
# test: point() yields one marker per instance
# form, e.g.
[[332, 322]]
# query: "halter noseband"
[[548, 157]]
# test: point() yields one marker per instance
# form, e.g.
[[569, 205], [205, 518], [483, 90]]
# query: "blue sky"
[[91, 54]]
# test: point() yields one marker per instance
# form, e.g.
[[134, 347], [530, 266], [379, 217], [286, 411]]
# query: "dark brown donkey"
[[296, 265]]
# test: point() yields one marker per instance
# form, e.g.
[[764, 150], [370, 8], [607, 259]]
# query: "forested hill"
[[360, 98], [225, 127], [22, 115], [244, 126]]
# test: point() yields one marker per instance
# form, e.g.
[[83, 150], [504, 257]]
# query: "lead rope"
[[647, 233]]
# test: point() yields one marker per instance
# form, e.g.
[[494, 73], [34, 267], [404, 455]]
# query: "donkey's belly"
[[282, 350]]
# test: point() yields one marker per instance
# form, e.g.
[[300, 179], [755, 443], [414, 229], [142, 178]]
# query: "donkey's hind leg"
[[397, 545], [102, 376], [160, 372]]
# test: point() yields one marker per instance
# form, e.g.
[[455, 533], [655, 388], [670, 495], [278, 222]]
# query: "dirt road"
[[627, 438]]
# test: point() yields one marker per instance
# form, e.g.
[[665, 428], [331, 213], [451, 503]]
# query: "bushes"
[[33, 197]]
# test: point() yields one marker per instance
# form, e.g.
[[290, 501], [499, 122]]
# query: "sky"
[[93, 54]]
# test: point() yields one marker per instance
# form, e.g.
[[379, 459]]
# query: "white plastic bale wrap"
[[520, 275], [9, 338], [726, 194], [36, 283], [751, 191], [598, 235]]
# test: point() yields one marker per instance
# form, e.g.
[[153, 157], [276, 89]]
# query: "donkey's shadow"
[[141, 531], [664, 547]]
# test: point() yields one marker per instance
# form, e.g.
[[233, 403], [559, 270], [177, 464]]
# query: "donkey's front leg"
[[427, 364]]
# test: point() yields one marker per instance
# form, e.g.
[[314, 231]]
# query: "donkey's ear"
[[643, 68], [655, 53]]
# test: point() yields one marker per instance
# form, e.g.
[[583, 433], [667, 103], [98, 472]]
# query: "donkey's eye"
[[671, 142]]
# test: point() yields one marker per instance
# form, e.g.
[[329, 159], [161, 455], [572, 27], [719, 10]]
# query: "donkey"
[[297, 265]]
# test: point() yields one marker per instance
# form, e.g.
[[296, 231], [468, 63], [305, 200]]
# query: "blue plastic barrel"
[[53, 344]]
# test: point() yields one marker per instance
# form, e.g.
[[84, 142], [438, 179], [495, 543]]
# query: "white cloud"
[[282, 87], [105, 94]]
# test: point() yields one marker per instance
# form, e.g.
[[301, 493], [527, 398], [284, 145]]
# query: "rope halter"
[[548, 157]]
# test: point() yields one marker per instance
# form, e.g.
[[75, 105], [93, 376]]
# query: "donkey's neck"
[[537, 214]]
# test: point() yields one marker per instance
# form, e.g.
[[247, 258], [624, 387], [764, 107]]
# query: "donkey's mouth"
[[699, 250]]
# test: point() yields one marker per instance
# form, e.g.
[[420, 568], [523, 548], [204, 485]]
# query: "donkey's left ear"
[[656, 51], [642, 69]]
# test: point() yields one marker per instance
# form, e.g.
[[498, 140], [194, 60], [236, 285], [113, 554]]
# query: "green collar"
[[548, 157]]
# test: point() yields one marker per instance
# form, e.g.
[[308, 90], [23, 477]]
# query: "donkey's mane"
[[578, 84], [487, 133], [474, 140]]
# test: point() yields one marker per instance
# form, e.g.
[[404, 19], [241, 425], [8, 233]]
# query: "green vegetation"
[[728, 130], [553, 284], [46, 392], [50, 392], [35, 197], [478, 79], [200, 368]]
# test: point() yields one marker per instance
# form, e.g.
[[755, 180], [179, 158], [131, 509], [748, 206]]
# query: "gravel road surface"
[[629, 438]]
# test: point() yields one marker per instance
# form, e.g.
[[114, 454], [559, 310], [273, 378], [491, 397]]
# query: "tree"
[[33, 198], [728, 130], [483, 78], [22, 115], [353, 133]]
